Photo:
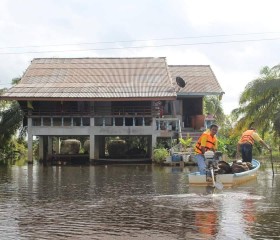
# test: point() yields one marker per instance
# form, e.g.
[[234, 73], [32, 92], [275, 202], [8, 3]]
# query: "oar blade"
[[219, 185]]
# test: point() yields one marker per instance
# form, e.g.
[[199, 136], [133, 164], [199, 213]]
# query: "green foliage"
[[3, 103], [227, 145], [14, 149], [132, 142], [15, 81], [228, 137], [10, 122], [186, 143], [163, 142], [136, 142], [212, 105], [260, 102], [12, 132], [117, 148], [160, 155]]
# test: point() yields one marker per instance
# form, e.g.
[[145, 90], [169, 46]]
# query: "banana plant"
[[185, 143]]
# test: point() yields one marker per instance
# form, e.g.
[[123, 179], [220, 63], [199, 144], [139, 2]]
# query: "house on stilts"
[[100, 100]]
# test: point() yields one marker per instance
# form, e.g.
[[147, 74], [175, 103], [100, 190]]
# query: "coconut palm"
[[212, 105], [11, 118], [260, 102], [10, 122]]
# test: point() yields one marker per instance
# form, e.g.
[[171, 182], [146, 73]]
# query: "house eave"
[[172, 98]]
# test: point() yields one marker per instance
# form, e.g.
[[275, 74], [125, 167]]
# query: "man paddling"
[[207, 141], [246, 142]]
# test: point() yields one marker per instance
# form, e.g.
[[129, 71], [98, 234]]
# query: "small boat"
[[227, 180]]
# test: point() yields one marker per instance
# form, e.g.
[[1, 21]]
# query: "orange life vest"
[[247, 137], [210, 142]]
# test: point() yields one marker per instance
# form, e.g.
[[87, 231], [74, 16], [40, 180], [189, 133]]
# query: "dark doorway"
[[191, 107]]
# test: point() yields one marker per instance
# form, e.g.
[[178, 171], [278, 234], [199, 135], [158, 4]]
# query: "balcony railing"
[[81, 121], [58, 121], [99, 111], [169, 124]]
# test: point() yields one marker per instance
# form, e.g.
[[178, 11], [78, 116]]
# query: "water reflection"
[[131, 201]]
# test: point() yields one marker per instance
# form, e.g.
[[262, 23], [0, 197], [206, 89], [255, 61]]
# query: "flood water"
[[133, 202]]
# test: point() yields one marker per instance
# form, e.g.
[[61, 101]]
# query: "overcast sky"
[[235, 37]]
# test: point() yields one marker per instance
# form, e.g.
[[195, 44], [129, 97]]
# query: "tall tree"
[[260, 102], [3, 103], [11, 117], [213, 105], [10, 122]]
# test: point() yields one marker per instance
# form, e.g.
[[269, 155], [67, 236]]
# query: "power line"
[[140, 40], [137, 47]]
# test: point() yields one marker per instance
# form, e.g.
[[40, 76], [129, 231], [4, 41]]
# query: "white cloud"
[[239, 13], [233, 83], [32, 22]]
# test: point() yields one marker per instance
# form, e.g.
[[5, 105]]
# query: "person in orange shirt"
[[246, 142], [207, 141]]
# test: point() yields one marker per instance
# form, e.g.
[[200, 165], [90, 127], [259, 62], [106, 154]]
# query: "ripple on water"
[[126, 202]]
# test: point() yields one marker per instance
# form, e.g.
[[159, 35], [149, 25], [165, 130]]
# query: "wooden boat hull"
[[228, 180]]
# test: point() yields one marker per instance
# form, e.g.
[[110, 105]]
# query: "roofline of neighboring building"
[[187, 65], [98, 58], [69, 99]]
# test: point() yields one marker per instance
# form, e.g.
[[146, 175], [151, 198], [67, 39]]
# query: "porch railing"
[[169, 124]]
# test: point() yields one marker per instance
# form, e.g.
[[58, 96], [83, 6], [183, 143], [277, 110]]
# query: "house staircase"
[[187, 133], [190, 132]]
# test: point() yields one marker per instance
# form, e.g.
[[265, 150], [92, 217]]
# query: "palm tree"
[[260, 102], [10, 122], [212, 105], [11, 118]]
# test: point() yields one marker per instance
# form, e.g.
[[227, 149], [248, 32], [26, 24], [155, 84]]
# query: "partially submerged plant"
[[160, 155]]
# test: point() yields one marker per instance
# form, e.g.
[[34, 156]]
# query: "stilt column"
[[91, 141], [41, 148], [30, 142]]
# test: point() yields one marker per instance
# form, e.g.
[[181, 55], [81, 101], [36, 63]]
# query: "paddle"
[[217, 185], [271, 163]]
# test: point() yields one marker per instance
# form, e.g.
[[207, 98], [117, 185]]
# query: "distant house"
[[99, 98]]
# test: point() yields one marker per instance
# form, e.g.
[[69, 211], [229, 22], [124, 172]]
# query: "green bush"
[[160, 155]]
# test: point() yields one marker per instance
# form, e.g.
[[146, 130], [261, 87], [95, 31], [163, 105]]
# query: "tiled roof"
[[95, 78], [106, 78], [200, 79]]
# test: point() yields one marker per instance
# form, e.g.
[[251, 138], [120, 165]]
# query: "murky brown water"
[[132, 202]]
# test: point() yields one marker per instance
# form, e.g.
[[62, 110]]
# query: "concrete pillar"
[[50, 145], [96, 147], [91, 149], [154, 124], [152, 141], [91, 139], [41, 148], [92, 122], [30, 141], [57, 145], [101, 140]]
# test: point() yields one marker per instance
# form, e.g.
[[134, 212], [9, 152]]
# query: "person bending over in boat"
[[246, 142], [206, 142]]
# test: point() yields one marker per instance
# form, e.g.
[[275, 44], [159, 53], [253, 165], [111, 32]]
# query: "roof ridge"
[[191, 65], [100, 58]]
